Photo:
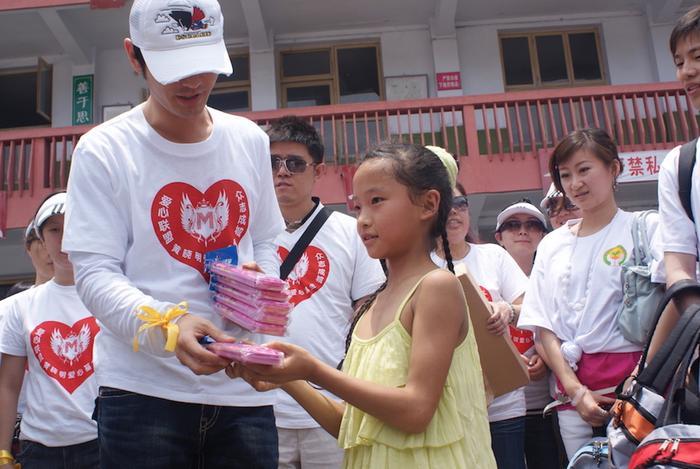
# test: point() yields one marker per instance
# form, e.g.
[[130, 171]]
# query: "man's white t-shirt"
[[50, 326], [142, 212], [5, 306], [594, 281], [334, 271], [677, 232], [500, 279]]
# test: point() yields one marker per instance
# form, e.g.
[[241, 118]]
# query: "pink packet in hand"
[[248, 277], [223, 284], [283, 306], [270, 313], [247, 353], [249, 323]]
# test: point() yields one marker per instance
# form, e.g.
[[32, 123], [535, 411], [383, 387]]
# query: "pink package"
[[261, 312], [249, 323], [246, 293], [247, 353], [248, 277]]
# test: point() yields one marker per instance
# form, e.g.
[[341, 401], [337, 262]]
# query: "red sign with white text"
[[448, 81]]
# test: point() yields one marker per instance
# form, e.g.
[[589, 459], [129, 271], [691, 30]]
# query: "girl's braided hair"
[[420, 170]]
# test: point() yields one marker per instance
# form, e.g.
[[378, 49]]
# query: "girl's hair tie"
[[448, 161]]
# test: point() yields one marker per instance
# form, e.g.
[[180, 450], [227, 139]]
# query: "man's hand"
[[191, 353]]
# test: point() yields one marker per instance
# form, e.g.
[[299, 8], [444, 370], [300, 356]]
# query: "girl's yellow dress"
[[457, 436]]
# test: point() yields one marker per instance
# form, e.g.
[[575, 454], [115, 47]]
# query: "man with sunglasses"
[[333, 276], [559, 208]]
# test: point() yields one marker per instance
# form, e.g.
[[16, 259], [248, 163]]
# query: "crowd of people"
[[102, 363]]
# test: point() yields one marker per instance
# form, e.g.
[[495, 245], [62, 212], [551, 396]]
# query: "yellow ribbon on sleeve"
[[153, 318]]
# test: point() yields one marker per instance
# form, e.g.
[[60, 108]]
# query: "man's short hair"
[[297, 130], [140, 59], [685, 26]]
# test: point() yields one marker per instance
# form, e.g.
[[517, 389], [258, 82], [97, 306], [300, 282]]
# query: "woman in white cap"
[[519, 229], [48, 330], [559, 208], [503, 284], [575, 288]]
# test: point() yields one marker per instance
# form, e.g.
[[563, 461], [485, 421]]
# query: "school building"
[[496, 82]]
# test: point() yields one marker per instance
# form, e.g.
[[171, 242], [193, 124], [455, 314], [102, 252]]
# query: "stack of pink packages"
[[254, 301], [247, 353]]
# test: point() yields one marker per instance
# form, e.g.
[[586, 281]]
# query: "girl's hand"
[[298, 365], [236, 370], [497, 324], [589, 409]]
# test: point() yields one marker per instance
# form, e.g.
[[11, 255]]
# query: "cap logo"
[[185, 21]]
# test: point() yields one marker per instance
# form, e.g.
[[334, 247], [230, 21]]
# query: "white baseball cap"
[[520, 207], [552, 193], [180, 38], [54, 205]]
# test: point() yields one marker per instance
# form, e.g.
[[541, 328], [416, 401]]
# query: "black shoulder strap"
[[303, 242], [686, 162]]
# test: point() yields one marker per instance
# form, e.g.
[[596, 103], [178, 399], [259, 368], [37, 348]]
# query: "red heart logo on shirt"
[[189, 223], [65, 352], [308, 275]]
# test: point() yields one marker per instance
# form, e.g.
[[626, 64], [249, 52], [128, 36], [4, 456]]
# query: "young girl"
[[48, 329], [411, 380], [503, 284], [575, 287]]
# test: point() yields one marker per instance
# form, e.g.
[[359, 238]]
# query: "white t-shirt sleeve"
[[12, 330], [110, 296], [96, 237], [367, 275], [534, 312], [677, 230], [268, 222], [513, 280]]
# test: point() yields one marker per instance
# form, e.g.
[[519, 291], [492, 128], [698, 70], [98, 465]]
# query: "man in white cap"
[[153, 193], [559, 208]]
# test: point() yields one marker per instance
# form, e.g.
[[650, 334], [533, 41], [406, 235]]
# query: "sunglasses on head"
[[555, 207], [517, 225], [292, 163], [460, 203]]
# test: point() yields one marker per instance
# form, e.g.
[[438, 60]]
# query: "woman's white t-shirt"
[[50, 326], [501, 279], [584, 271]]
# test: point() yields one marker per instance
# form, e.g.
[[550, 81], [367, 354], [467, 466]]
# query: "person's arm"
[[267, 222], [11, 376], [679, 244], [679, 266], [439, 322], [96, 236], [587, 404]]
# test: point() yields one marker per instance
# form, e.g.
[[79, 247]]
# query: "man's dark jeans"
[[144, 432], [34, 455], [543, 449]]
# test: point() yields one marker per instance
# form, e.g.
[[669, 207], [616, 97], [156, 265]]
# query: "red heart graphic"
[[65, 352], [189, 224], [522, 339], [308, 275]]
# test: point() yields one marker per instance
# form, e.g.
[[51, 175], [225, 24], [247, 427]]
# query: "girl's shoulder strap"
[[409, 295]]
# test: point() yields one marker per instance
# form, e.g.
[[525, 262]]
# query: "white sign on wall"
[[640, 166]]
